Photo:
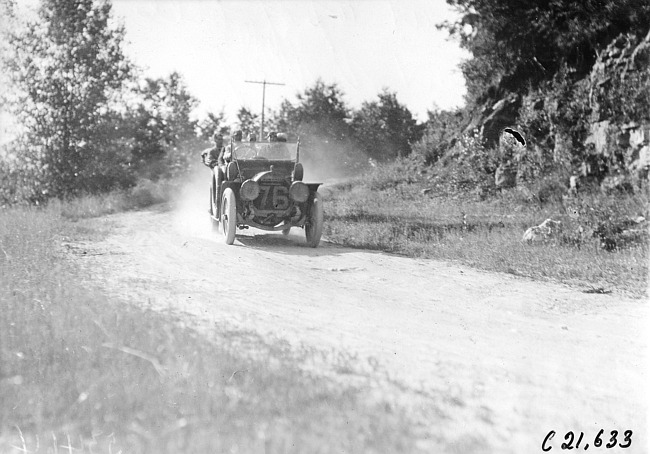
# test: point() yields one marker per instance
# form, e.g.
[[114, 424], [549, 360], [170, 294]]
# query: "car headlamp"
[[299, 191], [249, 190]]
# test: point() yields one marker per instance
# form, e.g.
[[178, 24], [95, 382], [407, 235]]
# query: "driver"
[[210, 156]]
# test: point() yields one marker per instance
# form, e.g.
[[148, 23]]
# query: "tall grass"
[[144, 194], [78, 369], [390, 212]]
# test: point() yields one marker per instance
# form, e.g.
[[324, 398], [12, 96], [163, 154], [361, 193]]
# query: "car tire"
[[211, 201], [214, 216], [314, 224], [229, 215], [286, 231]]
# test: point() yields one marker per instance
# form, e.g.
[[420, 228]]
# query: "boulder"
[[542, 232], [598, 136]]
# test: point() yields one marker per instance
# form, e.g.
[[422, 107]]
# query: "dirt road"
[[502, 360]]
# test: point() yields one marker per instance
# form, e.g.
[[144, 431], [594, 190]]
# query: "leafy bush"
[[612, 222], [385, 129], [20, 183], [390, 175], [468, 166], [441, 133], [547, 189], [148, 193]]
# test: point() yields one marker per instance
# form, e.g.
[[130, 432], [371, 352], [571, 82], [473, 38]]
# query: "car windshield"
[[266, 150]]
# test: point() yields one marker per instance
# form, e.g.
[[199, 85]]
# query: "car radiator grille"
[[273, 197]]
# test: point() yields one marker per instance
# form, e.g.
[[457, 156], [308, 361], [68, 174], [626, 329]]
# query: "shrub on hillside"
[[442, 131], [468, 166], [392, 174], [549, 188]]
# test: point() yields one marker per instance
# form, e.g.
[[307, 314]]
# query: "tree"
[[247, 121], [385, 128], [162, 118], [162, 126], [320, 112], [69, 72], [7, 27], [517, 44], [321, 118], [212, 124]]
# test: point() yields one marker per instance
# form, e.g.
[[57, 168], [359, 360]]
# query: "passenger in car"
[[277, 149], [210, 156]]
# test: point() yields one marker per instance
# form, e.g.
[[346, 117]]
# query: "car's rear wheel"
[[314, 224], [286, 230], [214, 215], [229, 215], [211, 192]]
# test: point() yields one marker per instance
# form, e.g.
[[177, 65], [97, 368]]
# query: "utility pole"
[[264, 84]]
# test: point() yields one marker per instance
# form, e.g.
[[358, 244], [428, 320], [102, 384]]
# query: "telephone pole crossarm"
[[264, 84]]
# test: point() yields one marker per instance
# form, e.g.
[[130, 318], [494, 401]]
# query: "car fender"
[[234, 185], [313, 187]]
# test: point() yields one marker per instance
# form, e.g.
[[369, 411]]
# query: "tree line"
[[88, 122]]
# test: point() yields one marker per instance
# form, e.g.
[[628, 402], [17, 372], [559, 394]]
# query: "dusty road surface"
[[491, 362]]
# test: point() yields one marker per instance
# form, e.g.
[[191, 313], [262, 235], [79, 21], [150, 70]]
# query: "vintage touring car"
[[260, 185]]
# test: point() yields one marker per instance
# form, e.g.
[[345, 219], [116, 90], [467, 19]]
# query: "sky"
[[361, 45]]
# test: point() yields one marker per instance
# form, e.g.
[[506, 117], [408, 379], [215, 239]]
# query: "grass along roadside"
[[79, 370], [144, 194], [395, 216]]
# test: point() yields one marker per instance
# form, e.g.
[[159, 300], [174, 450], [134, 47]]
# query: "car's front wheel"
[[314, 224], [229, 215]]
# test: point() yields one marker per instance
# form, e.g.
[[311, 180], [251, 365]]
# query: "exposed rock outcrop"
[[494, 116], [624, 144]]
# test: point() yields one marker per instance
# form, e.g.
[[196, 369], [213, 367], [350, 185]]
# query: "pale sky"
[[360, 45]]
